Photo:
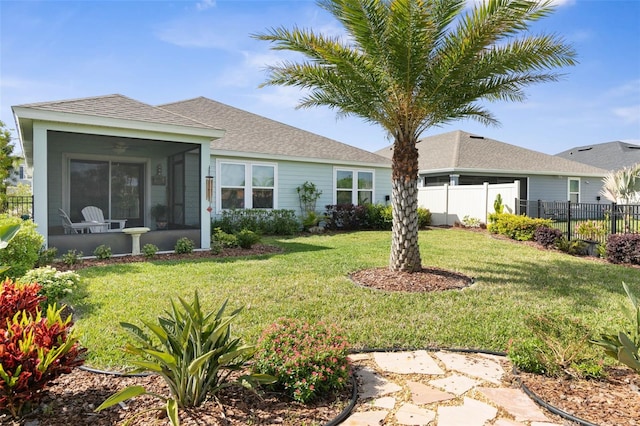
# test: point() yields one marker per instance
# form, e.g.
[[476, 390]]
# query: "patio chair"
[[94, 214], [68, 226]]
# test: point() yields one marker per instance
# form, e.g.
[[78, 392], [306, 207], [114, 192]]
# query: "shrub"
[[623, 248], [216, 247], [558, 346], [55, 285], [307, 360], [517, 227], [590, 230], [547, 236], [264, 222], [35, 350], [347, 217], [379, 217], [226, 240], [194, 356], [72, 257], [246, 239], [574, 247], [625, 346], [22, 252], [102, 252], [424, 217], [46, 256], [149, 250], [184, 246], [471, 222]]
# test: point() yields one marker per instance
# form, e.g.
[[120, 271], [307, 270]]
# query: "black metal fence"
[[21, 206], [594, 221]]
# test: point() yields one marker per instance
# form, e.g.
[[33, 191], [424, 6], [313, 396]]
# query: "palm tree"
[[623, 186], [409, 65]]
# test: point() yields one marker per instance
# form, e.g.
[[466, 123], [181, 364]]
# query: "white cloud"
[[629, 115], [205, 4], [281, 97]]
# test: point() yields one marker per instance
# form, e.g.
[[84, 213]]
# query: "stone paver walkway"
[[439, 389]]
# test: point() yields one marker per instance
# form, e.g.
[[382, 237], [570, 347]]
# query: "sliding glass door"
[[115, 187]]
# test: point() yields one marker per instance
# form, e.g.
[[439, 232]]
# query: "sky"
[[164, 51]]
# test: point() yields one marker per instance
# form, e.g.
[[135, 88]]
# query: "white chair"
[[71, 227], [94, 214]]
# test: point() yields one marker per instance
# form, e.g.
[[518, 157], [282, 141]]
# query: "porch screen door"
[[115, 187]]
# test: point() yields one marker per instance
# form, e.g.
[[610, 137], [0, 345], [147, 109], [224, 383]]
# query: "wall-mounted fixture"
[[158, 178]]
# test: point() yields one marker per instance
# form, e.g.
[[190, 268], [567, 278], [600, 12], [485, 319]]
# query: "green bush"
[[54, 285], [225, 239], [102, 252], [424, 217], [192, 351], [22, 252], [149, 250], [264, 222], [46, 256], [72, 257], [557, 347], [184, 246], [307, 360], [379, 217], [574, 247], [216, 247], [517, 227], [246, 238]]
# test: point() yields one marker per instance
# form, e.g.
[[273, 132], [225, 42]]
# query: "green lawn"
[[310, 280]]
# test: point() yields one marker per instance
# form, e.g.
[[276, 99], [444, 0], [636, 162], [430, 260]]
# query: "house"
[[197, 157], [610, 156], [19, 174], [461, 158]]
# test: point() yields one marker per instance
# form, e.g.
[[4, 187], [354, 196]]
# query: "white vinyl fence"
[[451, 203]]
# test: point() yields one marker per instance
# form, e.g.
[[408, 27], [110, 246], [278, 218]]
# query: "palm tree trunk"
[[405, 252]]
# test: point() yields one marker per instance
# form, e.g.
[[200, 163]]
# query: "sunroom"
[[105, 166]]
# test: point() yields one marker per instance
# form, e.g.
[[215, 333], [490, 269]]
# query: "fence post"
[[569, 220], [614, 218], [539, 208]]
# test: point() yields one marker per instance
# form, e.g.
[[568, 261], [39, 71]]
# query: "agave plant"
[[625, 346], [195, 356]]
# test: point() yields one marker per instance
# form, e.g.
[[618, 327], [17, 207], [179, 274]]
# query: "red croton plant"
[[34, 348]]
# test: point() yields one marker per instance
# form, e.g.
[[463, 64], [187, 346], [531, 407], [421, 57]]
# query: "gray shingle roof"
[[460, 150], [118, 107], [250, 133], [609, 155]]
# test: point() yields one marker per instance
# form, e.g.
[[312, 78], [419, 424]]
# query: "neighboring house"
[[125, 156], [19, 174], [461, 158], [610, 156]]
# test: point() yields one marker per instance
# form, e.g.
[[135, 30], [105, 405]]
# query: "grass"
[[310, 280]]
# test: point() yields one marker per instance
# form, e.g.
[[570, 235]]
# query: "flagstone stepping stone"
[[516, 403], [409, 414], [374, 385], [471, 413], [416, 362], [366, 418], [423, 394], [455, 384], [387, 402], [507, 422], [480, 367]]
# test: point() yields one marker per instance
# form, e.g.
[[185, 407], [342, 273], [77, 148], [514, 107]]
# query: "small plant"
[[194, 356], [34, 350], [590, 230], [424, 217], [149, 250], [246, 239], [547, 236], [498, 207], [102, 252], [625, 346], [308, 194], [227, 240], [216, 247], [46, 256], [184, 246], [55, 285], [471, 222], [72, 257], [559, 346], [307, 360]]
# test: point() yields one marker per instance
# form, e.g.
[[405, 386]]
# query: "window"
[[574, 190], [354, 186], [247, 185]]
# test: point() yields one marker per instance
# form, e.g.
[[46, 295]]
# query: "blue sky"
[[165, 51]]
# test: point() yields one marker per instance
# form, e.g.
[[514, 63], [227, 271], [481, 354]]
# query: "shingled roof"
[[118, 107], [609, 155], [250, 133], [465, 152]]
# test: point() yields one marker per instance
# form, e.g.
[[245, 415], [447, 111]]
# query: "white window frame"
[[354, 187], [569, 192], [248, 182]]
